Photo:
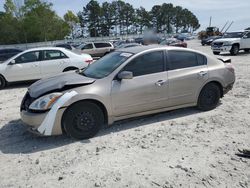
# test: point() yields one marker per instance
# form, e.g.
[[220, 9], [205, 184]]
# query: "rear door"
[[53, 62], [26, 67], [187, 74], [148, 90]]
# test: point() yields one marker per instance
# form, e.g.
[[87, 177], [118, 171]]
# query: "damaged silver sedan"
[[126, 83]]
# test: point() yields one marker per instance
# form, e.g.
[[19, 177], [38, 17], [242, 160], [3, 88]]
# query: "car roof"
[[45, 48], [139, 49]]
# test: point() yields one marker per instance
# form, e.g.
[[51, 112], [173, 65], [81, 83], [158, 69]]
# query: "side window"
[[201, 59], [87, 46], [146, 64], [28, 57], [102, 45], [53, 54], [183, 59]]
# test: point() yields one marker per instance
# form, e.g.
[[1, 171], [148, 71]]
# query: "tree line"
[[35, 20], [122, 18]]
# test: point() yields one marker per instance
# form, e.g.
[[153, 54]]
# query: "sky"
[[221, 11]]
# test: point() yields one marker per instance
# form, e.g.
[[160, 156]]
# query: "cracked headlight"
[[45, 102]]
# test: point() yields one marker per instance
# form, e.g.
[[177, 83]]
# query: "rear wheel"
[[216, 53], [2, 82], [234, 50], [209, 97], [83, 120]]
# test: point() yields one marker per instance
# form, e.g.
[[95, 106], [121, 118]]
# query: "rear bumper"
[[228, 88]]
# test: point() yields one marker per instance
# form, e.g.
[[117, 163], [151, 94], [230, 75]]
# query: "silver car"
[[126, 83]]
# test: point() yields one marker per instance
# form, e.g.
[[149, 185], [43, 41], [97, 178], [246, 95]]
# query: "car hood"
[[227, 40], [58, 83]]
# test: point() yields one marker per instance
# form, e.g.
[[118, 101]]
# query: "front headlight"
[[227, 43], [45, 102]]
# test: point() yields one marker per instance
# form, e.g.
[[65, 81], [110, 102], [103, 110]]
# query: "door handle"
[[202, 73], [160, 83]]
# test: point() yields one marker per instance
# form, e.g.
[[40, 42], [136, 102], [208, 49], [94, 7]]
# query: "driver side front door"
[[147, 90], [26, 67]]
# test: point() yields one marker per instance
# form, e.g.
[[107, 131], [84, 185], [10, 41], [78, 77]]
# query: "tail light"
[[230, 67], [89, 61]]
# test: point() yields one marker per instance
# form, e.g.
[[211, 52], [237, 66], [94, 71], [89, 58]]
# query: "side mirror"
[[125, 75], [12, 62]]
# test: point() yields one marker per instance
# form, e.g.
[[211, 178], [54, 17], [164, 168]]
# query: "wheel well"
[[236, 44], [3, 77], [98, 103], [219, 85], [70, 68]]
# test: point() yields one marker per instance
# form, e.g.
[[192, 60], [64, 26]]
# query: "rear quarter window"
[[185, 59], [102, 45]]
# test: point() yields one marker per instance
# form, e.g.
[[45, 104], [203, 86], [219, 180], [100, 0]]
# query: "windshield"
[[80, 46], [233, 35], [106, 65]]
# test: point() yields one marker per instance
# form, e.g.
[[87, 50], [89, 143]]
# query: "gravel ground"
[[182, 148]]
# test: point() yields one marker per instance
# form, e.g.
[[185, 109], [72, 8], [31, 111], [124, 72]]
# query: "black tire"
[[2, 82], [216, 53], [209, 97], [234, 50], [247, 50], [70, 69], [83, 120]]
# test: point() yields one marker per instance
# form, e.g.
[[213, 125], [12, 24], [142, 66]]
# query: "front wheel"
[[234, 50], [209, 97], [2, 82], [83, 120]]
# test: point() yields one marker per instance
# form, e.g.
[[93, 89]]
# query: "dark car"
[[66, 46], [174, 42], [8, 53], [209, 40], [139, 40]]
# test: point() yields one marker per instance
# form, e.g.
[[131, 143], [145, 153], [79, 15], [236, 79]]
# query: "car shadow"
[[18, 85], [241, 53], [15, 139]]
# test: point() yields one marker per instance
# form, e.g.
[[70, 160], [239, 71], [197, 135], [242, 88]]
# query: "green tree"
[[143, 18], [107, 18], [33, 22], [71, 19]]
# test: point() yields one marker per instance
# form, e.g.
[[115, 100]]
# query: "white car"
[[232, 42], [37, 63]]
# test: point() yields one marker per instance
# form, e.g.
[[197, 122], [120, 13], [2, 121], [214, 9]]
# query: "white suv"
[[37, 63], [232, 42]]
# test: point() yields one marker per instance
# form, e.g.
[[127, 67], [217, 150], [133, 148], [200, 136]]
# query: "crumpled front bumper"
[[34, 120]]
